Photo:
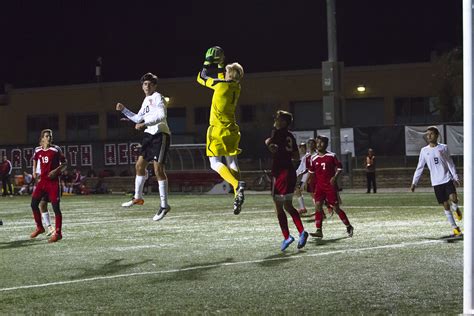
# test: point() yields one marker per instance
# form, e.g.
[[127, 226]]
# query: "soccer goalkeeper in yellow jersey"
[[223, 134]]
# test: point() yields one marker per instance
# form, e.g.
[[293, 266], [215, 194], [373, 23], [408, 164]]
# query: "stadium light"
[[361, 88]]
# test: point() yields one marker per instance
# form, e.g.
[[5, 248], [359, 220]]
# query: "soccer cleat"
[[38, 231], [56, 237], [302, 211], [239, 198], [133, 202], [350, 231], [303, 239], [457, 231], [51, 230], [161, 213], [1, 222], [318, 233], [457, 214], [286, 243]]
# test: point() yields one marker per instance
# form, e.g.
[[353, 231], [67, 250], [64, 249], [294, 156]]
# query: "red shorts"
[[284, 182], [47, 188], [328, 193]]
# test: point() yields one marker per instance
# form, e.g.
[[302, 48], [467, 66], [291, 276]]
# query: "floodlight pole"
[[468, 307], [332, 102]]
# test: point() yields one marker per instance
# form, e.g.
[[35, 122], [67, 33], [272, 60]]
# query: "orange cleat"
[[56, 237], [38, 231], [133, 202]]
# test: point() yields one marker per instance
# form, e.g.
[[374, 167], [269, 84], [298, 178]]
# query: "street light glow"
[[361, 88]]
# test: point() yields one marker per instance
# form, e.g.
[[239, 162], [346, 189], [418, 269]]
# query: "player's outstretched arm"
[[136, 118]]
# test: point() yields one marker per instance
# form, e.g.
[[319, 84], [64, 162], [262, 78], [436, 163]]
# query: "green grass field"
[[202, 259]]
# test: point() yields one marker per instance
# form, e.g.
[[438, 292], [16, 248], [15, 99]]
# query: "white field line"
[[24, 224], [217, 265]]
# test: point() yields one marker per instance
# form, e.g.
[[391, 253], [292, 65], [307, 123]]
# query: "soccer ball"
[[218, 54]]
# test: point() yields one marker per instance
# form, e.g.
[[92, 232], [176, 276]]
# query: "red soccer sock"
[[297, 220], [343, 217], [37, 217], [58, 219], [318, 219], [283, 221]]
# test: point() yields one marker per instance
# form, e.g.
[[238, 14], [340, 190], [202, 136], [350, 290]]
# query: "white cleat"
[[161, 213]]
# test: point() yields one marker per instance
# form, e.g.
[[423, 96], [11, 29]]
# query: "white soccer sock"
[[450, 217], [454, 206], [46, 219], [163, 188], [139, 183], [301, 202]]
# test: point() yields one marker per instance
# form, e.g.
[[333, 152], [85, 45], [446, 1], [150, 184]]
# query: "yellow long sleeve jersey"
[[224, 100]]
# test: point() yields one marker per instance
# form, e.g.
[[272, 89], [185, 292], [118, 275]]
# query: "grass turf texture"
[[202, 259]]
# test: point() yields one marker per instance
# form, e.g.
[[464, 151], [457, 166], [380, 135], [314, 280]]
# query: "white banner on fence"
[[455, 139], [415, 138], [347, 140], [303, 136]]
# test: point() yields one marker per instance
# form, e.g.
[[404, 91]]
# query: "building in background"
[[84, 115]]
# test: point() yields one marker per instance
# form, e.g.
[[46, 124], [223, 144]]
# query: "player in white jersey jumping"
[[443, 176], [155, 144]]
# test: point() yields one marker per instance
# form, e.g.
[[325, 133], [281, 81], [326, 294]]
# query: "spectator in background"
[[77, 182], [6, 171], [66, 182], [27, 183], [370, 170]]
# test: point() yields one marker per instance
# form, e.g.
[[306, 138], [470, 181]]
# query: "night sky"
[[57, 42]]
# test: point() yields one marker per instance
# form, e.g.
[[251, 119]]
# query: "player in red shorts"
[[52, 162], [282, 145], [326, 168]]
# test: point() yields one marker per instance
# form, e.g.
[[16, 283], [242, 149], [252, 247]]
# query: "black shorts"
[[443, 191], [155, 147]]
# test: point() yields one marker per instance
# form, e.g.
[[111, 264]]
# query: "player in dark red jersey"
[[52, 162], [282, 145], [326, 168]]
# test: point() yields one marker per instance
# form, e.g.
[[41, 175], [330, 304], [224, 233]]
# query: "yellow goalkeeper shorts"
[[223, 141]]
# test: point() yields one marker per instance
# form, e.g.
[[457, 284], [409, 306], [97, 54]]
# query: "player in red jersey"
[[282, 145], [326, 168], [52, 162]]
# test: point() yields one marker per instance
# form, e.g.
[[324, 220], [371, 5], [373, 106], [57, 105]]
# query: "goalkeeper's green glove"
[[214, 55]]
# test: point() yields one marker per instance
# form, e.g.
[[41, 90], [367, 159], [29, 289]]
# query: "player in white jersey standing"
[[155, 144], [302, 176], [443, 176]]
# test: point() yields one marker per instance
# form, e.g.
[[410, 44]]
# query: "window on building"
[[356, 110], [118, 129], [177, 119], [247, 113], [201, 115], [82, 126], [307, 115], [414, 110], [36, 123]]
